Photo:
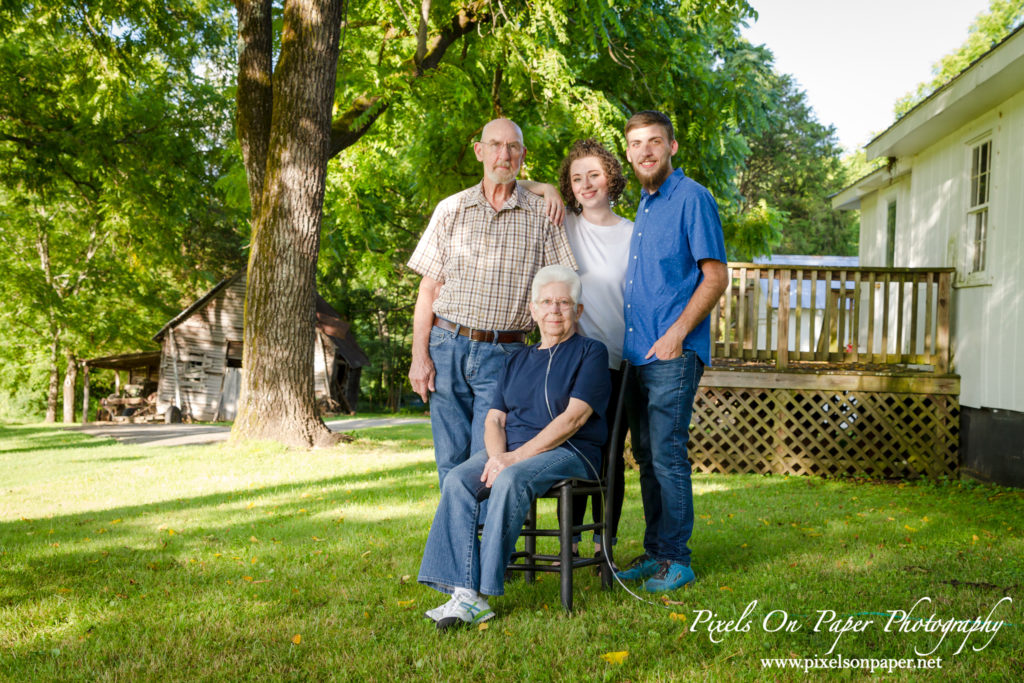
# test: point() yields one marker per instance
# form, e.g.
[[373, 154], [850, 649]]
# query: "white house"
[[952, 195]]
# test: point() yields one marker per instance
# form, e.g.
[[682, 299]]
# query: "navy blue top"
[[579, 369], [676, 227]]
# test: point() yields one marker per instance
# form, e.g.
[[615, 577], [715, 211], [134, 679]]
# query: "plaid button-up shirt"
[[487, 259]]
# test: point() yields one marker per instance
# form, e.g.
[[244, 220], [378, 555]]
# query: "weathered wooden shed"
[[201, 357]]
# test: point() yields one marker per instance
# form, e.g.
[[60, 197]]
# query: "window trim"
[[972, 212]]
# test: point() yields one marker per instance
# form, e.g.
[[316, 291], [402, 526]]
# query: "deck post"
[[942, 323], [782, 337]]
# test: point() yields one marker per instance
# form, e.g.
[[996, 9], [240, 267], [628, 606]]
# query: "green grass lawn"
[[228, 562]]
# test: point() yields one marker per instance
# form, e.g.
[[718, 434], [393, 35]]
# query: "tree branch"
[[255, 91], [345, 131]]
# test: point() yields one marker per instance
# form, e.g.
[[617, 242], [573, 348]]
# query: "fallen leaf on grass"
[[677, 616], [367, 553], [909, 528], [253, 539], [664, 599], [406, 603], [297, 638], [116, 521], [615, 657], [724, 588], [247, 578], [250, 506], [483, 626]]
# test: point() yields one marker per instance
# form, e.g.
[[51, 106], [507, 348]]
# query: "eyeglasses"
[[495, 147], [558, 303]]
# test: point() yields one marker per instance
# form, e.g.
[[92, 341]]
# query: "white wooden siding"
[[988, 323]]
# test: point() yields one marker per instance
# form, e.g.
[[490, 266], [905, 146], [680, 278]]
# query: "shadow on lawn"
[[138, 584], [233, 526], [742, 523]]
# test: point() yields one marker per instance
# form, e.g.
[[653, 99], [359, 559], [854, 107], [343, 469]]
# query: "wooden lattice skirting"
[[831, 432]]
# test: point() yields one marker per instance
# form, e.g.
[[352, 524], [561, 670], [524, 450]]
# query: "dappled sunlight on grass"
[[203, 562]]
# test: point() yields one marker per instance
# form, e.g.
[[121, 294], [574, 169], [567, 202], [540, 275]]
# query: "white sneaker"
[[465, 608], [439, 611]]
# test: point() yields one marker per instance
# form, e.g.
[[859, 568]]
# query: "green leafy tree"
[[564, 79], [413, 83], [988, 28], [108, 159], [794, 165]]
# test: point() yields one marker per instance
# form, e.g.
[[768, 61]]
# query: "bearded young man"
[[677, 272], [477, 257]]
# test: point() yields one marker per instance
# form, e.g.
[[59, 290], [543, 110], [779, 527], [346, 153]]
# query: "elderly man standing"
[[477, 257], [676, 273]]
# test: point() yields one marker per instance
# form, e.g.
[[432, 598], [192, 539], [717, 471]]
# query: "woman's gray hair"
[[563, 274]]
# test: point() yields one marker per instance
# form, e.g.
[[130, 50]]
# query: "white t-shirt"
[[602, 253]]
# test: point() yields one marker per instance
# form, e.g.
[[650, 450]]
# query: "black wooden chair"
[[530, 561]]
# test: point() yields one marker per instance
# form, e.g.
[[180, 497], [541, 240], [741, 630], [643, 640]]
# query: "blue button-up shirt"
[[676, 227]]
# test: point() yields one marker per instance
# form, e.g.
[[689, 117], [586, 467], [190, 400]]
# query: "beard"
[[652, 180], [502, 176]]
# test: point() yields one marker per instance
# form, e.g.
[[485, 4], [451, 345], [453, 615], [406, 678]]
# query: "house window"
[[890, 234], [977, 208]]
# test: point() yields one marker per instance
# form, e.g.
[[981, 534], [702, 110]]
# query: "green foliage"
[[561, 69], [794, 166], [988, 28], [111, 121]]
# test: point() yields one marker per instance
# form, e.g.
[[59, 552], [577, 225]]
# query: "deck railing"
[[889, 316]]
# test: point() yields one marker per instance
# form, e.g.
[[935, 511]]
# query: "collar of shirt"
[[666, 188], [515, 200]]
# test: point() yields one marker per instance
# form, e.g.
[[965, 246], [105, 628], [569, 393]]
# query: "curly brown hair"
[[612, 168]]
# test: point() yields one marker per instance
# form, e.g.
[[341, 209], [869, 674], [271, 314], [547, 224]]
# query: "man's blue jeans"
[[465, 381], [454, 557], [660, 403]]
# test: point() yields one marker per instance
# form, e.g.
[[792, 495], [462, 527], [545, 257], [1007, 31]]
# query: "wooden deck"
[[830, 372]]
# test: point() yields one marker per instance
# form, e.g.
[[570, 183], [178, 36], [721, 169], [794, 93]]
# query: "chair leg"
[[565, 549], [607, 557], [530, 542]]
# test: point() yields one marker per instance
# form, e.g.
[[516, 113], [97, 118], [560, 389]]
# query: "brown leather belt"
[[499, 336]]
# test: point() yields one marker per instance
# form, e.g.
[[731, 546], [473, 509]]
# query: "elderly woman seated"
[[546, 424]]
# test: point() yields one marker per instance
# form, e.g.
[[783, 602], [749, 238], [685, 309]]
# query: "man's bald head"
[[501, 127], [501, 150]]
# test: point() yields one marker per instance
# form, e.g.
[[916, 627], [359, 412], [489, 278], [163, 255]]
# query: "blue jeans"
[[466, 378], [454, 557], [660, 403]]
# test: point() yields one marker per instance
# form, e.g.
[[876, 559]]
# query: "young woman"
[[590, 181]]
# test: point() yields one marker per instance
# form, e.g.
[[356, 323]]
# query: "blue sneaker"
[[640, 568], [670, 576]]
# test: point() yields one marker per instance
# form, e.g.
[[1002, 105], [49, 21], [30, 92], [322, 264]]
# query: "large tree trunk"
[[286, 137], [277, 400], [52, 391], [70, 378]]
